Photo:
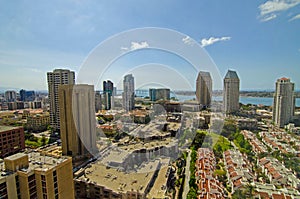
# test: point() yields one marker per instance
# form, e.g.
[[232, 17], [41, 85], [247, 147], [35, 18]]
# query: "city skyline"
[[260, 43]]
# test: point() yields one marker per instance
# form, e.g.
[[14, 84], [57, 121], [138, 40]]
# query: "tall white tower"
[[284, 102]]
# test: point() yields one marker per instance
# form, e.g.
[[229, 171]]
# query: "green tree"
[[199, 138], [192, 194], [229, 128], [43, 140], [239, 194], [249, 190]]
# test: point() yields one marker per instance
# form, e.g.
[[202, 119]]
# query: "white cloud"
[[212, 40], [35, 70], [135, 45], [269, 8], [124, 48], [269, 17], [295, 17], [187, 40]]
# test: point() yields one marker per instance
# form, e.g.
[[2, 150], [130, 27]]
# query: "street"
[[187, 175]]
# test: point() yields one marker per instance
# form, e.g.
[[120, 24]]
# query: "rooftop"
[[146, 131], [231, 75], [37, 161], [43, 162], [119, 181], [203, 74], [15, 156], [284, 79], [8, 128], [158, 189]]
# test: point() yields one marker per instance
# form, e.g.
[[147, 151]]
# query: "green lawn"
[[221, 141], [36, 144]]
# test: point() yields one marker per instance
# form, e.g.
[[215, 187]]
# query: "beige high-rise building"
[[204, 89], [128, 92], [284, 102], [34, 175], [231, 92], [77, 119], [54, 79]]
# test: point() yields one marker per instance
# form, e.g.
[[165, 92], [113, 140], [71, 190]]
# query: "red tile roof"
[[284, 78], [278, 196]]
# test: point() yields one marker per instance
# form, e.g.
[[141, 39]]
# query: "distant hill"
[[263, 93], [3, 89]]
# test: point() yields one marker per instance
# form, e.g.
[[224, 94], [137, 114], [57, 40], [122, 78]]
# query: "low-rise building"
[[12, 140], [247, 123], [150, 180], [34, 175], [281, 141], [257, 145], [38, 122], [25, 114], [278, 174], [208, 185], [129, 155], [239, 172], [263, 191]]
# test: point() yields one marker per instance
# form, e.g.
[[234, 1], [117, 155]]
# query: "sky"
[[259, 39]]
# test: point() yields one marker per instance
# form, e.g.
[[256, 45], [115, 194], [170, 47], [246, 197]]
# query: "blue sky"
[[258, 39]]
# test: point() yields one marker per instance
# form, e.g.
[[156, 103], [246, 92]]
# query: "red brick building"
[[12, 140]]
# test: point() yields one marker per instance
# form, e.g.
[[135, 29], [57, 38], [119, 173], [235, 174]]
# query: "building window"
[[32, 186], [55, 184], [18, 187], [3, 190]]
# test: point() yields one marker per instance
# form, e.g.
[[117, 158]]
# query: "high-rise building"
[[114, 91], [98, 101], [204, 88], [27, 95], [10, 96], [284, 102], [12, 140], [159, 94], [36, 175], [22, 95], [56, 78], [128, 92], [77, 119], [231, 92], [108, 89]]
